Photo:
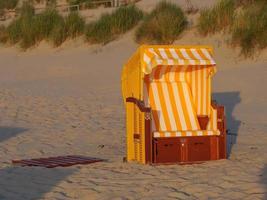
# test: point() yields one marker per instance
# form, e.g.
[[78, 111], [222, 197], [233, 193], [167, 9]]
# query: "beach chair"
[[170, 116]]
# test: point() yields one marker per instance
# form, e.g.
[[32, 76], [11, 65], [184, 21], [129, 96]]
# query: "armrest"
[[219, 108], [140, 104], [221, 124], [148, 134], [221, 118]]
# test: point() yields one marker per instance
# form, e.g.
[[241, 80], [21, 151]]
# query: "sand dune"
[[68, 101]]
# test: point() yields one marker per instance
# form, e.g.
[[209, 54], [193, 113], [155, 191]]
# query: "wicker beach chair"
[[170, 116]]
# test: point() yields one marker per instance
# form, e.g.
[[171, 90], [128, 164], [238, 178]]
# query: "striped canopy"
[[183, 56]]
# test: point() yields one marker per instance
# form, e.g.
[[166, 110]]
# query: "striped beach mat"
[[59, 161]]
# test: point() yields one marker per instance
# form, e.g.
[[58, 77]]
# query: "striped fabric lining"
[[168, 93], [172, 106], [185, 133], [197, 77], [153, 57], [178, 88]]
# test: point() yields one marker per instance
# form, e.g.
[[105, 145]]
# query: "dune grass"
[[53, 27], [243, 3], [3, 34], [163, 25], [74, 24], [250, 28], [8, 4], [217, 18], [109, 26], [29, 29], [244, 20]]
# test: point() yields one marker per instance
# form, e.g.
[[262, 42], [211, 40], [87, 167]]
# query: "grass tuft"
[[8, 4], [3, 34], [29, 29], [245, 20], [100, 31], [163, 25], [216, 19], [109, 26], [27, 9], [250, 29], [74, 24], [58, 34]]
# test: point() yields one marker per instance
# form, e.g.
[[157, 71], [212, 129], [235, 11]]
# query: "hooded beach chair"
[[170, 116]]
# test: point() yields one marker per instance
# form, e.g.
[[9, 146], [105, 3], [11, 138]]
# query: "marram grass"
[[109, 26], [163, 25], [29, 29], [244, 20], [250, 29], [217, 18], [8, 4]]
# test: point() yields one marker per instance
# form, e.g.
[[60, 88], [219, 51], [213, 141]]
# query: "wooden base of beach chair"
[[195, 149], [182, 150], [186, 149]]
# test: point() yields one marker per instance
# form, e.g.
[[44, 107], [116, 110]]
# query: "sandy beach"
[[67, 101]]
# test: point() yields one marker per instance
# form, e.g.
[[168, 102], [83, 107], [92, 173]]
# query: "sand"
[[68, 101]]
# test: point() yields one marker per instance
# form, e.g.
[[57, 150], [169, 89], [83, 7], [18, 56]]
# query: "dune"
[[67, 100]]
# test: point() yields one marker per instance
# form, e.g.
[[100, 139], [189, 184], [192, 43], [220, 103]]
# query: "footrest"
[[60, 161]]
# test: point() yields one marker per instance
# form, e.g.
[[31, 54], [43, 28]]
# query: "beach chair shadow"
[[264, 180], [9, 132], [230, 100], [31, 182]]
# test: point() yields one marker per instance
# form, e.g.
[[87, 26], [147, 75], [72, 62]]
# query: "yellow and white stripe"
[[160, 134], [178, 89], [196, 77], [153, 57], [172, 106], [175, 105]]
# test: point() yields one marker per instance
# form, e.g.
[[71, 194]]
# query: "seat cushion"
[[160, 134]]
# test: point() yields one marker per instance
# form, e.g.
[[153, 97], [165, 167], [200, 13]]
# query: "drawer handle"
[[196, 143]]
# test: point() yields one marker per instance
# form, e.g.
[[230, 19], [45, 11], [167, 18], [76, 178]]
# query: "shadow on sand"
[[264, 180], [8, 132], [229, 100], [31, 182]]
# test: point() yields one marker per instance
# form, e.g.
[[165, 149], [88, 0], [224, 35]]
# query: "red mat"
[[60, 161]]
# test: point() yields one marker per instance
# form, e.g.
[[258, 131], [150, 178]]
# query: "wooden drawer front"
[[167, 150], [199, 149], [186, 149]]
